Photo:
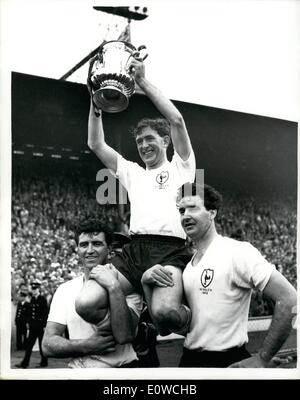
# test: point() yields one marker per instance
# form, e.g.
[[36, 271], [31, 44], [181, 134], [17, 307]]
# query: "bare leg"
[[92, 302], [165, 304]]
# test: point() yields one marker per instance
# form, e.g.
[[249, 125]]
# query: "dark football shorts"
[[144, 251]]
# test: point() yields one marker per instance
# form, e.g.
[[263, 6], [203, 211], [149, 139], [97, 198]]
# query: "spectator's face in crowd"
[[195, 218], [22, 296], [92, 249], [151, 146], [23, 289], [35, 290]]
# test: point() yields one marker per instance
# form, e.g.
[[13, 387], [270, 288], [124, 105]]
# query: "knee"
[[165, 313]]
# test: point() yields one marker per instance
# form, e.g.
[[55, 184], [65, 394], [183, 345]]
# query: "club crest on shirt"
[[162, 178], [207, 277]]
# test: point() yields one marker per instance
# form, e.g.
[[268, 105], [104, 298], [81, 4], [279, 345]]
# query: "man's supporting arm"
[[285, 296], [56, 345], [123, 319]]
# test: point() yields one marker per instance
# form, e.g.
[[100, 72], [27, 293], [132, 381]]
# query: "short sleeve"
[[57, 312], [135, 302], [125, 169], [250, 269], [187, 168]]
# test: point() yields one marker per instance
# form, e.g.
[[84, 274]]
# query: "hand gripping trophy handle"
[[110, 79], [137, 54]]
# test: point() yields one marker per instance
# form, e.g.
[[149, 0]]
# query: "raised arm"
[[285, 296], [96, 137], [179, 134], [56, 345], [96, 140]]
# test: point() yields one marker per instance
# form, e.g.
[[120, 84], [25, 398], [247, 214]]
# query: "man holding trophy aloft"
[[154, 259]]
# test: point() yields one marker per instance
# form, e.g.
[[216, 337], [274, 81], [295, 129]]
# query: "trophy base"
[[110, 99]]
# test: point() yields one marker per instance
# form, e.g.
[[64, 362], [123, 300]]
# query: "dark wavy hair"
[[92, 225], [212, 198], [160, 125]]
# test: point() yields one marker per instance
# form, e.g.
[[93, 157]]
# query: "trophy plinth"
[[110, 99]]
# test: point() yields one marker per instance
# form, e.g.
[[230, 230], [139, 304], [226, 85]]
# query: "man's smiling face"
[[92, 249], [152, 147]]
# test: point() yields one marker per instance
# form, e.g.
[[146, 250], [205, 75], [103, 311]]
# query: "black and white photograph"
[[149, 191]]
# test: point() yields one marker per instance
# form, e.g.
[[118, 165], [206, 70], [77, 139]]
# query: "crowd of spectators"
[[45, 208]]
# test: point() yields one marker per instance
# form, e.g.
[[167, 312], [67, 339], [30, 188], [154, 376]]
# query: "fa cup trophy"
[[111, 79]]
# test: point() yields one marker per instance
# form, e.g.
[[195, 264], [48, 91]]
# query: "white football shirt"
[[62, 311], [153, 193], [218, 291]]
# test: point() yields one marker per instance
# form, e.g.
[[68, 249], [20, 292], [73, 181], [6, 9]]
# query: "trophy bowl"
[[111, 80]]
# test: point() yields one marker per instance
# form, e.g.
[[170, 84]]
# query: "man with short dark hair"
[[218, 282], [93, 344]]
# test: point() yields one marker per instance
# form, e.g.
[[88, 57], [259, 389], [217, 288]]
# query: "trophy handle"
[[137, 54], [89, 81]]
